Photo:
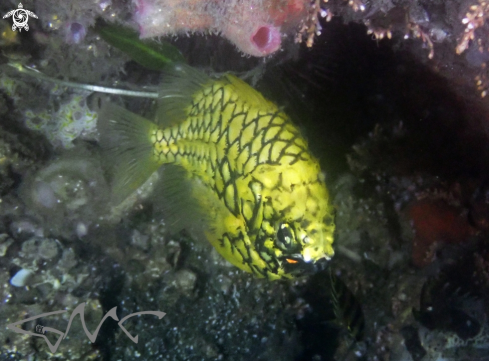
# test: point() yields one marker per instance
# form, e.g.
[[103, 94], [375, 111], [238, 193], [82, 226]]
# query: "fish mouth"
[[297, 266]]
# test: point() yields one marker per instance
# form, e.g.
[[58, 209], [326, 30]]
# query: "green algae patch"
[[151, 54]]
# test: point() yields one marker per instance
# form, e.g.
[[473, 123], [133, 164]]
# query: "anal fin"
[[186, 203]]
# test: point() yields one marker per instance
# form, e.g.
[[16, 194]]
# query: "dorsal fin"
[[182, 82], [176, 92], [249, 95]]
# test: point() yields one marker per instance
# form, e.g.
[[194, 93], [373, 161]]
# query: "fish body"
[[260, 194]]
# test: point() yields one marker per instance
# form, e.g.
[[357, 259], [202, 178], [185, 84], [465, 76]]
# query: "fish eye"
[[285, 238]]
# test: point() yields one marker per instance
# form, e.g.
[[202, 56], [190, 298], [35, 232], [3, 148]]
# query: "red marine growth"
[[435, 223], [256, 27]]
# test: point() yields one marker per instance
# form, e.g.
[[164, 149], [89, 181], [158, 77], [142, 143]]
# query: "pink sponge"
[[251, 30], [254, 26], [163, 17]]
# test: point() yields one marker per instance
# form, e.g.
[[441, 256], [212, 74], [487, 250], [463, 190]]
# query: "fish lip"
[[296, 257], [301, 267]]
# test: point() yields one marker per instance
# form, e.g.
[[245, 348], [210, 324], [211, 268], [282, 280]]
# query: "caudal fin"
[[126, 140]]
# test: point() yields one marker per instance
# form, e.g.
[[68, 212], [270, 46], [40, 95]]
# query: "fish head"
[[302, 247], [294, 235]]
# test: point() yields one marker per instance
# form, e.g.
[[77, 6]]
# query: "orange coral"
[[435, 222]]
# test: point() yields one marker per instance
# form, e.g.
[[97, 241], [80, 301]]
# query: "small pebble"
[[21, 278]]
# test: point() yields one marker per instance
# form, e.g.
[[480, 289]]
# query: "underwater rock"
[[67, 191], [248, 324], [60, 116], [48, 249], [364, 230], [73, 120], [41, 275], [5, 242], [479, 208], [68, 260], [75, 32], [452, 314], [74, 346], [438, 31], [24, 227], [18, 155], [178, 284], [185, 281]]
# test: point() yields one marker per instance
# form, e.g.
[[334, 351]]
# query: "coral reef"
[[62, 119], [375, 240], [255, 27], [62, 36], [412, 198], [437, 213], [435, 222], [261, 27], [450, 37], [73, 120]]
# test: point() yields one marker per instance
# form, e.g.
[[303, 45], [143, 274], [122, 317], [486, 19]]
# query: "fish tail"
[[128, 149]]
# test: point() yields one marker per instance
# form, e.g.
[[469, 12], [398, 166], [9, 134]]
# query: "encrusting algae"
[[235, 169]]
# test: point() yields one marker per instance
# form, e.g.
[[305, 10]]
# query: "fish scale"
[[250, 159]]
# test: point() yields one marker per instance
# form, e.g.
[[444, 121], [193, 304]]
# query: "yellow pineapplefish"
[[238, 171]]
